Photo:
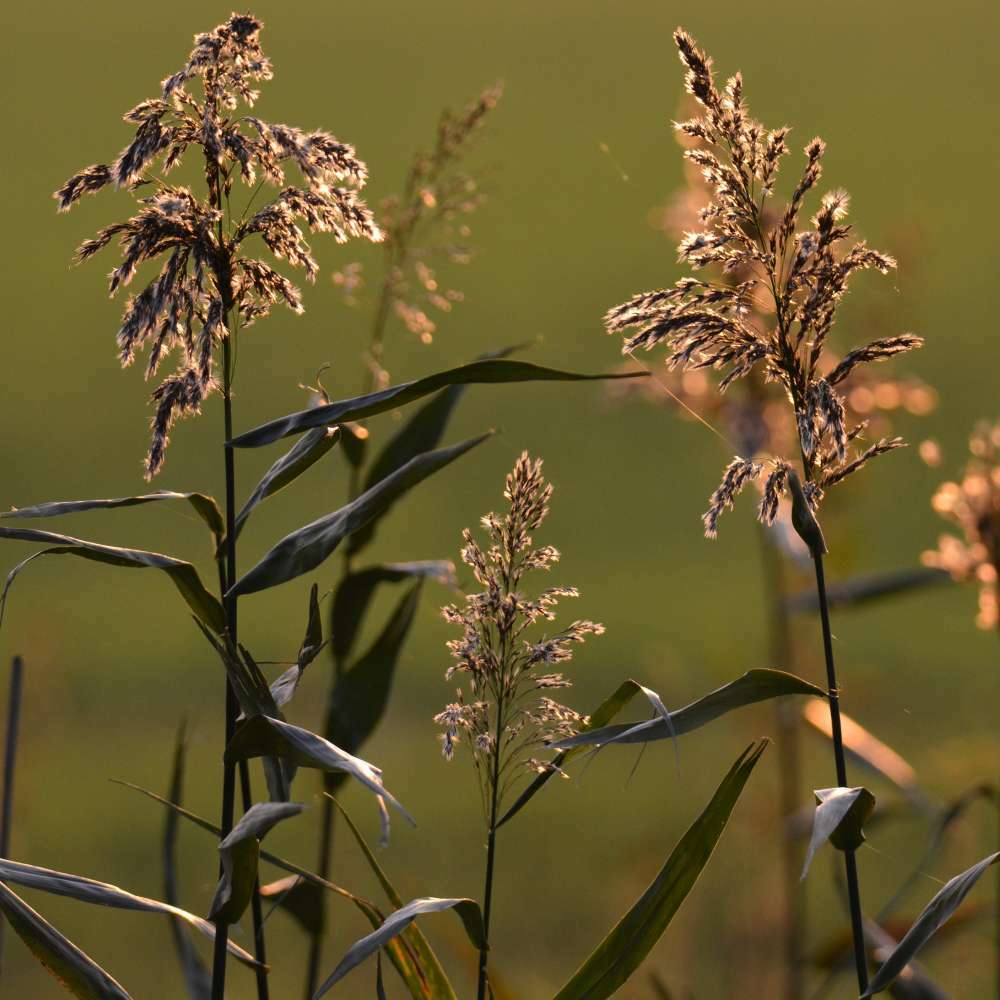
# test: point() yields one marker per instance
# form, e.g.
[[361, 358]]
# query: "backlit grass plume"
[[803, 273], [973, 506], [211, 281], [505, 714]]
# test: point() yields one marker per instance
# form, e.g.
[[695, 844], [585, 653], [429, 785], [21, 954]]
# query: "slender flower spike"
[[973, 506], [208, 286], [505, 714], [772, 310]]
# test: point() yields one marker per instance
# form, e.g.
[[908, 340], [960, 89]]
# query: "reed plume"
[[505, 713], [208, 285]]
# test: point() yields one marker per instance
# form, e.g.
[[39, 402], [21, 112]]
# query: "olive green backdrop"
[[903, 93]]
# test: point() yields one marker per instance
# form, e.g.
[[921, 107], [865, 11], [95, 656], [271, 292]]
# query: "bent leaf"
[[204, 506], [600, 717], [467, 909], [840, 817], [360, 407], [74, 969], [240, 851], [284, 688], [264, 737], [184, 576], [402, 959], [754, 686], [354, 595], [300, 899], [433, 974], [934, 915], [88, 890], [358, 699], [305, 453], [305, 549], [632, 938]]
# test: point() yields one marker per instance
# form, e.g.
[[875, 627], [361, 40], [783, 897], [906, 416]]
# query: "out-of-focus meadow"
[[574, 161]]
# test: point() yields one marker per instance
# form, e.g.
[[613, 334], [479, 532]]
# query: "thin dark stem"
[[323, 870], [9, 761], [229, 606], [491, 847], [256, 910], [789, 768], [853, 887]]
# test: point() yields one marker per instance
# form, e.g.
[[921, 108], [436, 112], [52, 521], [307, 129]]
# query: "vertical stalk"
[[490, 856], [9, 760], [229, 606], [789, 770], [850, 864]]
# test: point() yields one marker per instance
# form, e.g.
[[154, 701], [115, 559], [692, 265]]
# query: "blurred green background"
[[900, 91]]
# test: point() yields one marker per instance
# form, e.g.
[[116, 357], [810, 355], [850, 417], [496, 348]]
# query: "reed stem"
[[490, 856], [833, 691], [9, 762]]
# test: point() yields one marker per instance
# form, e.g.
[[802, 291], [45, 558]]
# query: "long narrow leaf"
[[196, 977], [477, 372], [264, 737], [435, 978], [355, 592], [88, 890], [934, 915], [304, 454], [862, 589], [284, 688], [74, 969], [184, 576], [632, 938], [358, 699], [305, 549], [753, 686], [204, 506], [467, 909]]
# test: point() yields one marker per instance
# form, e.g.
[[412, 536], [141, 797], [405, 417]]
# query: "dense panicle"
[[973, 506], [770, 312], [209, 287], [502, 713]]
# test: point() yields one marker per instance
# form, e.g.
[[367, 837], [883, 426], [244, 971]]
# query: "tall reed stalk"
[[10, 765]]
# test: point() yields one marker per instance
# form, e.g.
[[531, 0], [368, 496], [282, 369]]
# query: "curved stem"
[[850, 864]]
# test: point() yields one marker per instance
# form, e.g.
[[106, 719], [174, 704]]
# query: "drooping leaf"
[[300, 899], [632, 938], [87, 890], [600, 717], [840, 816], [74, 969], [864, 747], [862, 589], [401, 956], [934, 915], [240, 851], [360, 695], [433, 974], [914, 983], [263, 737], [304, 454], [204, 506], [305, 549], [284, 688], [184, 576], [355, 592], [476, 372], [196, 977], [753, 686], [467, 909]]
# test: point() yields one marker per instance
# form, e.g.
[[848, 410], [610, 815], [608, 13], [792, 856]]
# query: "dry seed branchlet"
[[505, 715], [803, 273], [973, 506], [209, 285]]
